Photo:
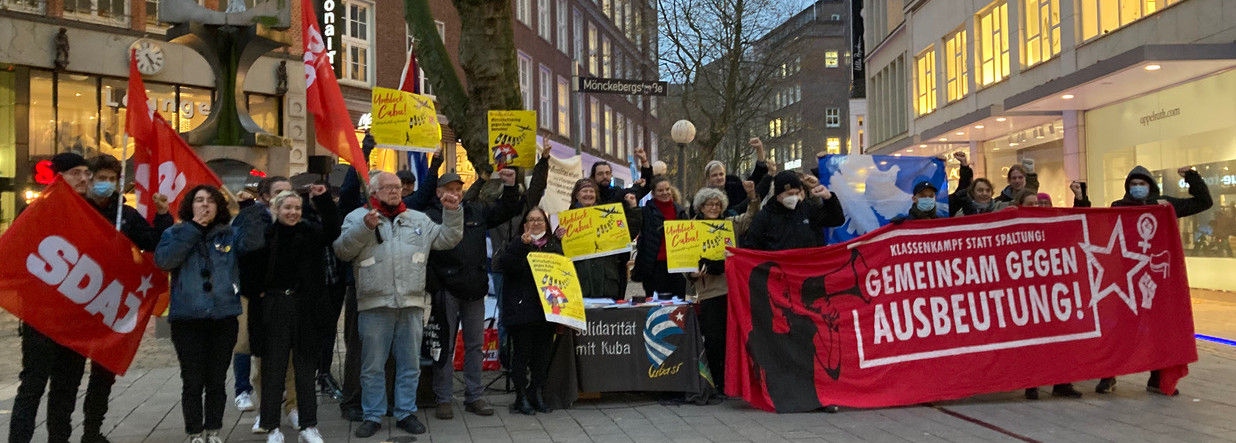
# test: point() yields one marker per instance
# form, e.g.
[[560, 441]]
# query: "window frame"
[[995, 42], [525, 80], [832, 117], [564, 106], [348, 41], [956, 58], [544, 28], [925, 101], [832, 59], [545, 97], [1040, 35]]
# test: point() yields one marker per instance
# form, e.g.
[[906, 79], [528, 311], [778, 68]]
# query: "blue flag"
[[875, 189]]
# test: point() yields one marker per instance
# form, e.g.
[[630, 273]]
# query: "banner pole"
[[124, 152]]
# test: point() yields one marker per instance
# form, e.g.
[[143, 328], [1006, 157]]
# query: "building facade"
[[1086, 88], [64, 78], [808, 107]]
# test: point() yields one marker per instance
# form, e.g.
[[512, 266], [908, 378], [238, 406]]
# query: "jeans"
[[531, 344], [713, 318], [241, 369], [44, 360], [284, 331], [203, 347], [95, 404], [385, 332], [503, 348], [472, 315], [241, 363]]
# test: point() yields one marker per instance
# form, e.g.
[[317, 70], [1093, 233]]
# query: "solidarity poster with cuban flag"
[[942, 309], [875, 189]]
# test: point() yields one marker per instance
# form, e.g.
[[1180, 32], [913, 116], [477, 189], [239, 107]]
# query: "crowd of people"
[[263, 292]]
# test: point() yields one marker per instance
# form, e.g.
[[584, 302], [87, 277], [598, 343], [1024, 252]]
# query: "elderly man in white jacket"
[[388, 246]]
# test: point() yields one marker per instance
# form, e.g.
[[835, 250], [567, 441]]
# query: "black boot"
[[1065, 390], [1106, 385], [1032, 393], [521, 405], [538, 401]]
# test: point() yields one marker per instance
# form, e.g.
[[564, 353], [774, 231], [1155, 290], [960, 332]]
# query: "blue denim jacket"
[[204, 271]]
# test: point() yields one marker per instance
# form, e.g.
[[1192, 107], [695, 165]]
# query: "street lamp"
[[683, 133]]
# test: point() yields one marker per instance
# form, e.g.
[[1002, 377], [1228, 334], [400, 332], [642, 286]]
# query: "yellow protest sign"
[[595, 231], [404, 121], [686, 242], [512, 138], [561, 296]]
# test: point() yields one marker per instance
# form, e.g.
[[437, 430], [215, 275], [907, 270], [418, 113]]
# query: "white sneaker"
[[294, 419], [310, 435], [196, 438], [213, 437], [274, 437], [257, 425], [244, 402]]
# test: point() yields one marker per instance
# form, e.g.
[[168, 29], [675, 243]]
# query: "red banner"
[[943, 309], [331, 124], [71, 275], [164, 162]]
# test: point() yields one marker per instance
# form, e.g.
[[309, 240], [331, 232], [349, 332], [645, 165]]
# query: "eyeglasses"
[[535, 220]]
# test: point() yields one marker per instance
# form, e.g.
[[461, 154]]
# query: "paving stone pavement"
[[145, 408]]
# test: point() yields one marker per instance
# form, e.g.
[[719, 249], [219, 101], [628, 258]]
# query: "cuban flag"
[[661, 324], [875, 189]]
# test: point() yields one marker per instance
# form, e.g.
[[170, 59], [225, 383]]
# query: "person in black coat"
[[1140, 188], [292, 291], [790, 222], [531, 336], [651, 267]]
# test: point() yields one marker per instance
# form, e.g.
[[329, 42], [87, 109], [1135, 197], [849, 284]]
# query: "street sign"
[[598, 85]]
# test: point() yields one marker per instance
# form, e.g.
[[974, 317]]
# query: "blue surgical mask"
[[1139, 192], [925, 204], [104, 188]]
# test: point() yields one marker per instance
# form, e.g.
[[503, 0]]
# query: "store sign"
[[43, 173], [165, 105], [1161, 114], [329, 14]]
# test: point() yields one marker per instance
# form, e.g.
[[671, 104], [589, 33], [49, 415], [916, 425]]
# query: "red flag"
[[331, 123], [161, 151], [410, 80], [139, 120], [70, 275]]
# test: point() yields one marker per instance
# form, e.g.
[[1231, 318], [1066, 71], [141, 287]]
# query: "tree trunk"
[[487, 56]]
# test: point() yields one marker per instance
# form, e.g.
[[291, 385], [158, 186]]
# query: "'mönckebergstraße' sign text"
[[619, 86]]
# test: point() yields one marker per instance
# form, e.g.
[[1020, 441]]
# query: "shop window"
[[956, 70], [42, 115], [357, 57], [1042, 30], [1098, 17], [993, 44], [925, 82], [193, 107], [77, 104], [8, 146], [35, 6], [265, 111], [564, 107]]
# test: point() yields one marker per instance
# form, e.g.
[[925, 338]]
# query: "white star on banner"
[[1097, 273], [145, 286]]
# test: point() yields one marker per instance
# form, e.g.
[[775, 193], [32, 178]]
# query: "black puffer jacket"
[[521, 301], [134, 226], [651, 237], [606, 277], [777, 228], [463, 269], [1200, 200]]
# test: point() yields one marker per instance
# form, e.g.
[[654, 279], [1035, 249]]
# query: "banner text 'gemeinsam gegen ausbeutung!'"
[[954, 307]]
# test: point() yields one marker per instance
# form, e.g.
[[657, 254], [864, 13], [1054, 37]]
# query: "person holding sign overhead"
[[523, 315], [604, 276], [709, 284], [650, 259]]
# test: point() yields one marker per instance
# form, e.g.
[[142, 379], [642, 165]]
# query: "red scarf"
[[670, 213], [389, 211]]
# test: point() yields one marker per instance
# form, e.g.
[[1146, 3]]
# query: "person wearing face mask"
[[103, 196], [789, 222], [709, 284], [1141, 189], [651, 267], [201, 255], [923, 206], [531, 336], [292, 292], [603, 277]]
